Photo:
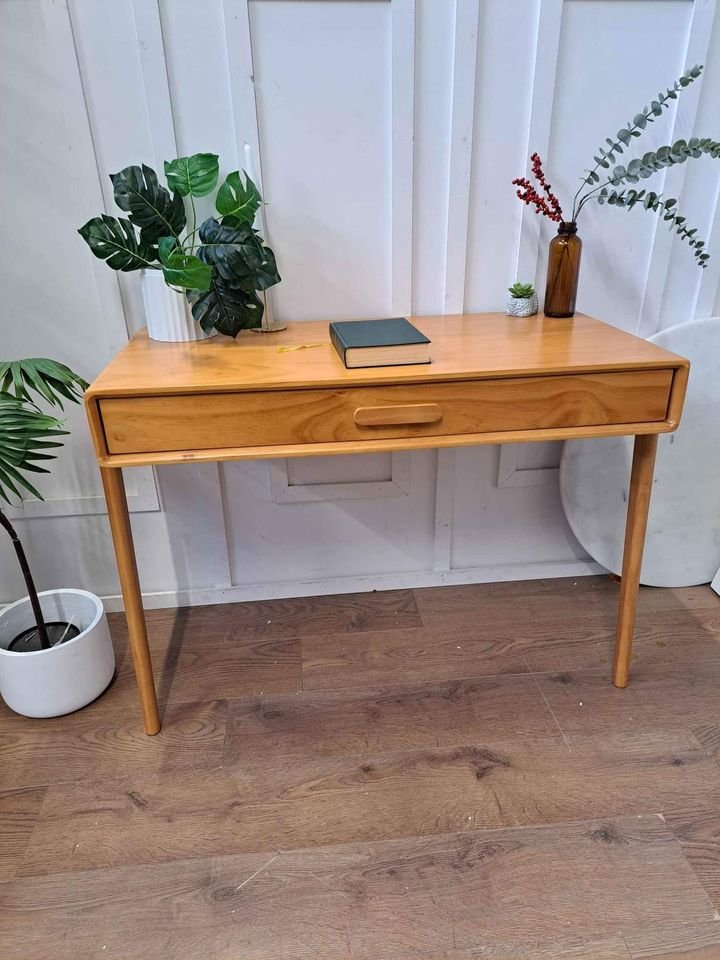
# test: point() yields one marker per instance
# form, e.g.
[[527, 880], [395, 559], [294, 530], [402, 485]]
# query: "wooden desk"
[[493, 379]]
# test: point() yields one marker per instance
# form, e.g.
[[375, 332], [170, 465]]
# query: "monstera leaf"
[[229, 308], [115, 241], [266, 274], [182, 269], [236, 252], [233, 250], [235, 200], [196, 175], [151, 207]]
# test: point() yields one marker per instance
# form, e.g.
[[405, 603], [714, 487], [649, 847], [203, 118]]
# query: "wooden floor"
[[409, 775]]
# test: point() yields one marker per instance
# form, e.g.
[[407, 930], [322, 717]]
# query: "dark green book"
[[379, 343]]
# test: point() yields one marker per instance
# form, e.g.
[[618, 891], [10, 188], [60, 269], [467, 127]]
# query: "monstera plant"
[[220, 264]]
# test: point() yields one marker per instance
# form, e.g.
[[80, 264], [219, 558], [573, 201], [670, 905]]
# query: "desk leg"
[[641, 480], [127, 568]]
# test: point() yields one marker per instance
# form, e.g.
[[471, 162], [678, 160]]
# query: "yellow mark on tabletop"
[[300, 346]]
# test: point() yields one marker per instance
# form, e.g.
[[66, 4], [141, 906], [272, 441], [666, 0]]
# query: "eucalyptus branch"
[[634, 129], [667, 209], [665, 156]]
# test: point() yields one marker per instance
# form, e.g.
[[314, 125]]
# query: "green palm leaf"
[[24, 433], [52, 381]]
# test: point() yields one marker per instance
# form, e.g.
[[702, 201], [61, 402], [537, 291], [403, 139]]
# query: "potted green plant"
[[608, 182], [523, 301], [195, 279], [55, 649]]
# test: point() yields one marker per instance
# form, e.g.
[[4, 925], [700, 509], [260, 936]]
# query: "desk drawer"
[[270, 418]]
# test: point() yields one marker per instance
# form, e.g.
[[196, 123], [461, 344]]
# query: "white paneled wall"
[[386, 133]]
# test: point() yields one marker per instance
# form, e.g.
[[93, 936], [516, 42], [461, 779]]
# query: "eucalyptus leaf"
[[114, 241], [196, 175], [151, 207]]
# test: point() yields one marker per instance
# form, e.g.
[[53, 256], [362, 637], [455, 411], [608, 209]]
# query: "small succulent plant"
[[521, 291]]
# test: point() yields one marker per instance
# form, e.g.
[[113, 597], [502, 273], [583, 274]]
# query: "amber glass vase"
[[563, 271]]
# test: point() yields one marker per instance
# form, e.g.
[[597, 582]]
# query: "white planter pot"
[[167, 312], [522, 306], [49, 683]]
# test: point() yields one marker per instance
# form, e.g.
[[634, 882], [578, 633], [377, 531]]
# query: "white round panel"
[[682, 547]]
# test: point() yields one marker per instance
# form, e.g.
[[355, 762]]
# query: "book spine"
[[337, 343]]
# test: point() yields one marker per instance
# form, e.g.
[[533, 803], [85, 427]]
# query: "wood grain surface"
[[147, 424], [439, 774], [464, 347]]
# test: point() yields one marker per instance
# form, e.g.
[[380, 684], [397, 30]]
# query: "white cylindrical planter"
[[167, 313], [49, 683]]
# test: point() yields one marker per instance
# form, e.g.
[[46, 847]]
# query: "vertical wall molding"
[[547, 47], [511, 474], [63, 38], [465, 52], [402, 119], [397, 485], [663, 242], [444, 501]]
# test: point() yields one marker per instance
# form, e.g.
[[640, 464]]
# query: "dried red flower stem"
[[548, 207]]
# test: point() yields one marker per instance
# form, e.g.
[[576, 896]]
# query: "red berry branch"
[[549, 207]]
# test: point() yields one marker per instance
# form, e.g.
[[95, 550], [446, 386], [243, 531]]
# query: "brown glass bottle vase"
[[563, 271]]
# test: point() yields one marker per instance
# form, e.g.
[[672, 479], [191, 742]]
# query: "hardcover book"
[[379, 343]]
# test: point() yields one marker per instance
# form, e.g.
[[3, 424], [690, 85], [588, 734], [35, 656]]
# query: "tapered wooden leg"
[[641, 481], [129, 584]]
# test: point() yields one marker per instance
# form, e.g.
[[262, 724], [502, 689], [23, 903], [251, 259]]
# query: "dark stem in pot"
[[29, 583]]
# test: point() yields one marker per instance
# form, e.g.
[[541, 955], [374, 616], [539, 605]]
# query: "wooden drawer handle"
[[408, 413]]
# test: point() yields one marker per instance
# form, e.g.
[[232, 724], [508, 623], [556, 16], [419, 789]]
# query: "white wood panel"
[[507, 35], [597, 92], [354, 477], [330, 539], [664, 242], [339, 212], [75, 313], [499, 524], [462, 116], [386, 134], [688, 292], [433, 89]]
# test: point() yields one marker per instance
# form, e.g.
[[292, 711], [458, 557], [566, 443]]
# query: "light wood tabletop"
[[492, 379]]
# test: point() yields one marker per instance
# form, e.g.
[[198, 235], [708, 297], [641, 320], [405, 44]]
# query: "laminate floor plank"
[[476, 890], [100, 742], [676, 942], [708, 733], [457, 780], [554, 600], [429, 715], [376, 661], [336, 800], [588, 642], [658, 695], [19, 811], [278, 619], [696, 825], [572, 948], [212, 671]]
